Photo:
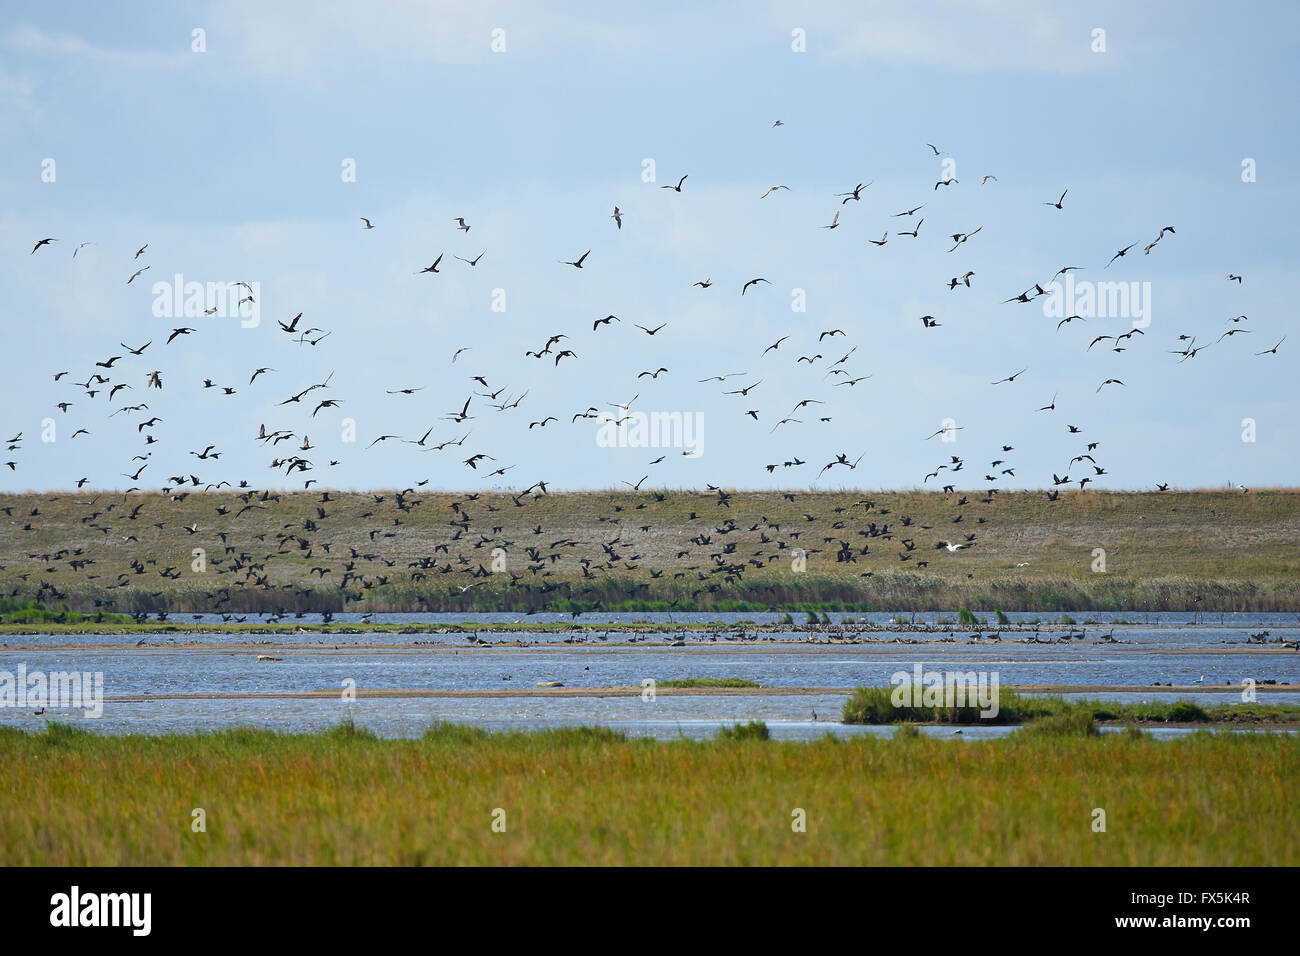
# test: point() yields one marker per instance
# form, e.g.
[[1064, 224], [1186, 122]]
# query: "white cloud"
[[34, 40], [17, 91], [969, 35], [292, 39]]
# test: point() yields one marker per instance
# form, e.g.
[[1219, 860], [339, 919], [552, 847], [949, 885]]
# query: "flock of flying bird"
[[103, 383]]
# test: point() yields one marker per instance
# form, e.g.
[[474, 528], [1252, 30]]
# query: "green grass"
[[754, 730], [592, 797], [1209, 551], [709, 682], [1076, 723], [29, 612], [874, 705]]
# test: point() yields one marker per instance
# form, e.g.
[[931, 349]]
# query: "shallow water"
[[1205, 654]]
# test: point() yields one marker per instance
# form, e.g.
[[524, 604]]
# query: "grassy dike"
[[1176, 550], [589, 796]]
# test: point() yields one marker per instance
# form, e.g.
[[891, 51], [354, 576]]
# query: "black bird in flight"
[[854, 193], [1058, 202], [1122, 252]]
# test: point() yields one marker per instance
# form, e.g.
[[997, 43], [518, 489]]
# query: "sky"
[[244, 141]]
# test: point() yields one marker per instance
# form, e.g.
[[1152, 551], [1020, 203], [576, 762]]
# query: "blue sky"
[[227, 162]]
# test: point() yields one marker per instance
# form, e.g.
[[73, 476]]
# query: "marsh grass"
[[754, 730], [591, 797], [875, 705], [1076, 723], [37, 612]]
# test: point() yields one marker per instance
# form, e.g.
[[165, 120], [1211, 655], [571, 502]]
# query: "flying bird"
[[1122, 252]]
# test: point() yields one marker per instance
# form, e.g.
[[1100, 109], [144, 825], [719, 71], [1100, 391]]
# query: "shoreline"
[[767, 645], [682, 628], [637, 691]]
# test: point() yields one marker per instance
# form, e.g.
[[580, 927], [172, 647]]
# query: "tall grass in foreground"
[[588, 796]]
